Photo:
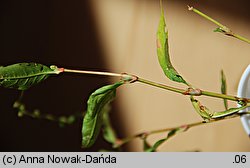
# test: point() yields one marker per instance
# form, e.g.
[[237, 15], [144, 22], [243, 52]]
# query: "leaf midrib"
[[29, 76]]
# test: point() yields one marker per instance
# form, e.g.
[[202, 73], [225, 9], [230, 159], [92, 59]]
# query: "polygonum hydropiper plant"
[[22, 76]]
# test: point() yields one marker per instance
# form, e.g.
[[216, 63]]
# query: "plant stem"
[[224, 29], [205, 16], [147, 133], [188, 126], [133, 78], [125, 77], [177, 90], [224, 96], [182, 91], [241, 38], [93, 72], [36, 114]]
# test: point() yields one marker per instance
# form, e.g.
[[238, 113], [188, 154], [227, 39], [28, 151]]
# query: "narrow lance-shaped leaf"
[[22, 76], [224, 88], [203, 111], [170, 134], [163, 52], [207, 114], [108, 131], [93, 118], [228, 112]]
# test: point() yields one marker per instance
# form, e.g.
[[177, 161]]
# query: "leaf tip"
[[86, 142]]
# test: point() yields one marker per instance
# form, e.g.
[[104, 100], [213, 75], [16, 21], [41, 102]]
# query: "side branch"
[[222, 28], [123, 141]]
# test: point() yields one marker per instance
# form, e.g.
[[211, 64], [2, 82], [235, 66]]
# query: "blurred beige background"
[[127, 30]]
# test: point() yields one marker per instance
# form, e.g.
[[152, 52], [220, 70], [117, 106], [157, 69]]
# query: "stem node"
[[129, 78], [193, 92]]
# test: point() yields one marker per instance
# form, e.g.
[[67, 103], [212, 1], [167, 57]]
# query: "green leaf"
[[108, 131], [218, 29], [163, 52], [93, 118], [228, 112], [203, 111], [224, 88], [146, 146], [170, 134], [22, 76]]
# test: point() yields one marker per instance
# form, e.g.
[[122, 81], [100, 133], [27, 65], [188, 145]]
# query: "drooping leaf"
[[108, 131], [203, 111], [163, 52], [22, 76], [170, 134], [224, 88], [93, 118], [228, 112], [207, 114]]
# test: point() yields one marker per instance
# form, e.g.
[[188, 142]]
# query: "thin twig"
[[22, 111], [123, 141], [93, 72], [124, 76], [192, 92], [222, 28]]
